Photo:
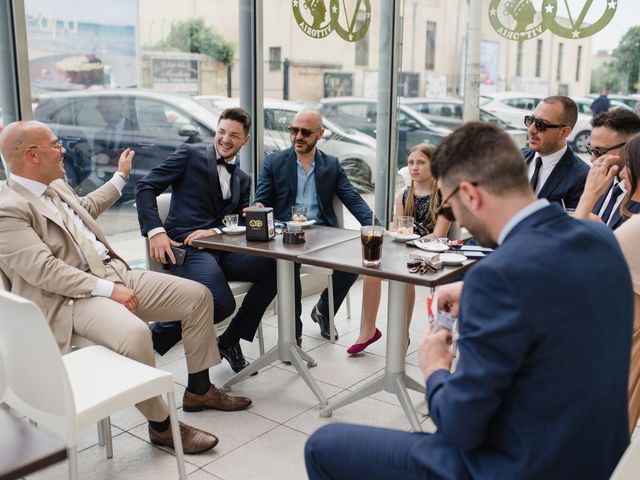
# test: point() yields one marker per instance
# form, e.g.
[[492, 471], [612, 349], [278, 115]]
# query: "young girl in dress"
[[420, 200]]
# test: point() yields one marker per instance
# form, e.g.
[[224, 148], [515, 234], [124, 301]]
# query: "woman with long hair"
[[419, 200]]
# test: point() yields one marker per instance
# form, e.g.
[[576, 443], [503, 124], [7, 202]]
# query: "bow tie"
[[229, 166]]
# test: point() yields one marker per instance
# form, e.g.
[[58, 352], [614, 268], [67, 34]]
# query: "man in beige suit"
[[54, 253]]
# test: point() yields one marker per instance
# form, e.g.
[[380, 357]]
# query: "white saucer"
[[404, 238], [452, 258], [236, 231], [306, 224], [431, 246]]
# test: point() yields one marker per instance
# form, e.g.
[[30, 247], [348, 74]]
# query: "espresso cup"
[[231, 221], [299, 213]]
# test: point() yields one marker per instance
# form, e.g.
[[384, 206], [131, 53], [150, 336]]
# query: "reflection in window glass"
[[274, 59], [431, 46]]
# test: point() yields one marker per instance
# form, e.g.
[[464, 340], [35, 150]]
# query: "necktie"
[[536, 174], [229, 166], [615, 193], [84, 245]]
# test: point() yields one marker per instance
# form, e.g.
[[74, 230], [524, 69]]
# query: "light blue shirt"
[[307, 194]]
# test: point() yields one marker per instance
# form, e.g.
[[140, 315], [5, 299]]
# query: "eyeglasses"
[[541, 125], [600, 151], [58, 146], [304, 131], [445, 209]]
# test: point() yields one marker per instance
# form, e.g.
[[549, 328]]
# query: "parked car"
[[629, 100], [584, 105], [513, 106], [355, 150], [154, 124], [447, 112], [361, 114]]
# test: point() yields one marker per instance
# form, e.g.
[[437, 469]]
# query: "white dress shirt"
[[103, 288], [548, 163]]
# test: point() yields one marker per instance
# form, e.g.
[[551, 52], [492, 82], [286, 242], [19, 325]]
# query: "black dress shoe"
[[323, 322], [233, 355], [299, 341]]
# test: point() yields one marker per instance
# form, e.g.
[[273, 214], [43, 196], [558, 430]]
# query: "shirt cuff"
[[118, 181], [103, 288], [217, 230], [155, 231]]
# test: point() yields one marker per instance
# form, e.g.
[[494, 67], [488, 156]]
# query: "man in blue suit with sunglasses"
[[554, 171]]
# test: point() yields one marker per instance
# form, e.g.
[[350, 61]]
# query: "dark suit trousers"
[[214, 270], [342, 282], [342, 451]]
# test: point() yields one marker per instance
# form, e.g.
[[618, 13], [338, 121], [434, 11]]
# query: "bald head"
[[32, 151], [310, 117]]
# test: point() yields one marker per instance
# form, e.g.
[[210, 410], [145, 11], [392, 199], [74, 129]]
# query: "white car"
[[355, 150], [513, 106]]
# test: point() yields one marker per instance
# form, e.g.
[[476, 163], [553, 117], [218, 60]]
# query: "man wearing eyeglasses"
[[206, 184], [304, 175], [54, 253], [611, 131], [544, 340], [554, 171]]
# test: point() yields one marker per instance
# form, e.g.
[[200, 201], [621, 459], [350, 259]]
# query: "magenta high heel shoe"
[[359, 347]]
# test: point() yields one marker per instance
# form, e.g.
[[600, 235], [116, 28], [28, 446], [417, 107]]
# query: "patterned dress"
[[422, 215]]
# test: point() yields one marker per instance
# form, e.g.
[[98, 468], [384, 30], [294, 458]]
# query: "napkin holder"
[[259, 224]]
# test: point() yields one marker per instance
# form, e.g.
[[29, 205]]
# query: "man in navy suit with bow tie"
[[540, 388], [205, 186], [554, 171]]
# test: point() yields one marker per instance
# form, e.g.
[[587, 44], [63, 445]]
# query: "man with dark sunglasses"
[[554, 171], [305, 175], [611, 131], [541, 345]]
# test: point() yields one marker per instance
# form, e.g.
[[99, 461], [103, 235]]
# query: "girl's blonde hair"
[[427, 150]]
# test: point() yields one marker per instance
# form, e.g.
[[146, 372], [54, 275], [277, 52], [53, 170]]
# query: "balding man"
[[304, 175], [54, 253]]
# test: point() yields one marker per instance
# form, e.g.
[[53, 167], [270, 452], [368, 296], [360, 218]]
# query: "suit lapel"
[[84, 216], [292, 174], [39, 205], [212, 177], [235, 190], [616, 217], [557, 174]]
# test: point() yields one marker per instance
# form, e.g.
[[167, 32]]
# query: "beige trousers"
[[161, 298]]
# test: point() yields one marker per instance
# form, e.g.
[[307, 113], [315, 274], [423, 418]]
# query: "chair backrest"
[[164, 202], [629, 465], [36, 380]]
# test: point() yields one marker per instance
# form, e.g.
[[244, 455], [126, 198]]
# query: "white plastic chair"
[[629, 465], [238, 289], [68, 393]]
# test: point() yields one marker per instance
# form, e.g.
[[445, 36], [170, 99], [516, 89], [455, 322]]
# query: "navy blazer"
[[617, 218], [278, 187], [196, 201], [540, 390], [567, 178]]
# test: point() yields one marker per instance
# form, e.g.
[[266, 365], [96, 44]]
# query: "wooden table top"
[[24, 448], [316, 237], [347, 257]]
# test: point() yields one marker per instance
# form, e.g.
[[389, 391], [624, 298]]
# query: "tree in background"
[[192, 35], [627, 57]]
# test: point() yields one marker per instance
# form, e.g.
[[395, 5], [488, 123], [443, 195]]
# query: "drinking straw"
[[373, 220]]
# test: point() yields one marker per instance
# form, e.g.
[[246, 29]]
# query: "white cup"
[[231, 221]]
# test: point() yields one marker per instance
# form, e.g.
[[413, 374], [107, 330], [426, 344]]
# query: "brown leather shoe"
[[214, 399], [193, 440]]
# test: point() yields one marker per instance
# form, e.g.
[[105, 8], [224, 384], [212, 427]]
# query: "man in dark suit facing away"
[[554, 171], [540, 388], [206, 185]]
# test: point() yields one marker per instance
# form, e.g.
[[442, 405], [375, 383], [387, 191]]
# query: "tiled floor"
[[267, 440]]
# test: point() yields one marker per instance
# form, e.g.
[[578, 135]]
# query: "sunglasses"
[[445, 209], [600, 151], [541, 125], [304, 131]]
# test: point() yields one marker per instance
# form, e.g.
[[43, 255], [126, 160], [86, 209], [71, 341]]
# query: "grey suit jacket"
[[39, 256]]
